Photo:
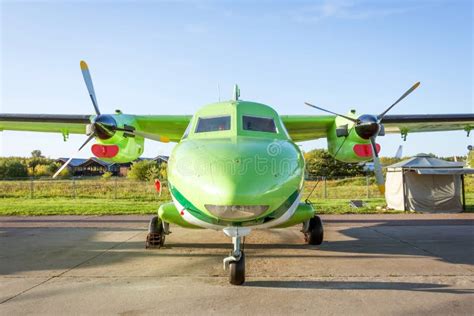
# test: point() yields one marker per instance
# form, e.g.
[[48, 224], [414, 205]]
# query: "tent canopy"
[[425, 183], [425, 161]]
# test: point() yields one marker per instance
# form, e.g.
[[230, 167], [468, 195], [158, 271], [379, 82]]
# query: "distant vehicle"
[[236, 165]]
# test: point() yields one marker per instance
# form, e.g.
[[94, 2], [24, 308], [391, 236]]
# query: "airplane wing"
[[307, 127], [170, 126], [311, 127]]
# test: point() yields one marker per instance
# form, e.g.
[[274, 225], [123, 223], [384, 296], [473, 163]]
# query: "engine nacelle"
[[346, 145], [119, 148]]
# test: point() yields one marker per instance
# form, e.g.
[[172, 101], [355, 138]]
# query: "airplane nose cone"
[[243, 178]]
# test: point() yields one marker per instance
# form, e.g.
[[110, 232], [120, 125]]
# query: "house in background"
[[91, 167]]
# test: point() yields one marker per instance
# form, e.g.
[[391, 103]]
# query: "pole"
[[73, 188], [115, 188], [463, 193], [32, 188], [325, 188], [367, 184]]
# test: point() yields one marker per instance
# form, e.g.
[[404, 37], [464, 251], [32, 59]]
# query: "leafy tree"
[[387, 161], [36, 154], [13, 168], [34, 162], [320, 163], [470, 159], [140, 170]]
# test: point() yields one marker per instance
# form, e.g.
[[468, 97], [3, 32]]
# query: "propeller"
[[103, 126], [368, 126]]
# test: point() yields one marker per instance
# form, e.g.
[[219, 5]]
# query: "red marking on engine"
[[365, 150], [182, 213], [105, 151]]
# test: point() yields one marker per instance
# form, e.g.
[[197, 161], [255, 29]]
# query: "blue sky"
[[157, 57]]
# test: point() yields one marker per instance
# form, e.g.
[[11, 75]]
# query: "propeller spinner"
[[368, 126]]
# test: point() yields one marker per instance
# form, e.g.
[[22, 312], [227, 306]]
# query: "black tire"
[[237, 271], [155, 229], [155, 226], [315, 234]]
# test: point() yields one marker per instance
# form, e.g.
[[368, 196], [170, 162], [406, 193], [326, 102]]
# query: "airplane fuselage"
[[236, 166]]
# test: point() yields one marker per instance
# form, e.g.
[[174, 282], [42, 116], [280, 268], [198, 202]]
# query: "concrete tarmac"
[[368, 264]]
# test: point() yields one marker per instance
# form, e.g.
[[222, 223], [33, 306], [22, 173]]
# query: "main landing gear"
[[236, 261], [157, 231], [313, 231]]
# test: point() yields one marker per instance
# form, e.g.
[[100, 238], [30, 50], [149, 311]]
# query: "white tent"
[[426, 184]]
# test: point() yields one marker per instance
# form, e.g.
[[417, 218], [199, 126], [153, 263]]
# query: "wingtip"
[[84, 65], [382, 188]]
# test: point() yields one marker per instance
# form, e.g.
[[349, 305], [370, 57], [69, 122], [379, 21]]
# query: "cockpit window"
[[260, 124], [213, 124]]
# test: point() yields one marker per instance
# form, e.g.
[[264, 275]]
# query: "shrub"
[[13, 168], [142, 170], [107, 175]]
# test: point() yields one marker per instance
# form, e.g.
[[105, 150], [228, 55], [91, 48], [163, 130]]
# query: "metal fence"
[[113, 188], [123, 188]]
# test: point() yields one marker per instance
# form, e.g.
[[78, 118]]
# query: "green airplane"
[[236, 165]]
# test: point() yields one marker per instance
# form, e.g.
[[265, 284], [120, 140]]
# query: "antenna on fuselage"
[[236, 92]]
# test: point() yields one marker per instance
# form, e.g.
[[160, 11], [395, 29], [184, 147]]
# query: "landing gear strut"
[[236, 260], [157, 231], [313, 231]]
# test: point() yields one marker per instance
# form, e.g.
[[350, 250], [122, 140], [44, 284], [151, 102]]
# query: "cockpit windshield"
[[259, 124], [213, 124]]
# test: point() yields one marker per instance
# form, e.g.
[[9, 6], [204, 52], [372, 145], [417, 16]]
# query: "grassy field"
[[122, 196]]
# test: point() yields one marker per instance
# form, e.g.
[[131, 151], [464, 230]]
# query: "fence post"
[[325, 188], [115, 188], [32, 189], [73, 187], [367, 184]]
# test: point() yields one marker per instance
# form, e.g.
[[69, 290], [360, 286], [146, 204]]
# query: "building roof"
[[75, 162], [425, 161]]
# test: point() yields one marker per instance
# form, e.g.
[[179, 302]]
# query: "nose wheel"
[[236, 261]]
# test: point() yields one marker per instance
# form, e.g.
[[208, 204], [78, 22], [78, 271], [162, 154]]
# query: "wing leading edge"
[[171, 126], [311, 127]]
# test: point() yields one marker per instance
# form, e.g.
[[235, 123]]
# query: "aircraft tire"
[[156, 236], [315, 234], [237, 271]]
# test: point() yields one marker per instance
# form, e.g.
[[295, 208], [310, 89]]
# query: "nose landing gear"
[[236, 260]]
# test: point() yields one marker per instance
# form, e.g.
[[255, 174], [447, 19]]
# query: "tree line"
[[319, 163]]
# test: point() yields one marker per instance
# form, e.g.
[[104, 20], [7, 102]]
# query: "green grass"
[[122, 196], [68, 206]]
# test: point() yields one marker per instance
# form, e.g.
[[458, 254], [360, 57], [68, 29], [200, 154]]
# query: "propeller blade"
[[324, 110], [377, 167], [62, 168], [90, 87], [70, 159], [380, 117]]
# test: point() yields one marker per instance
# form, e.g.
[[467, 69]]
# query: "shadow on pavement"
[[359, 285]]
